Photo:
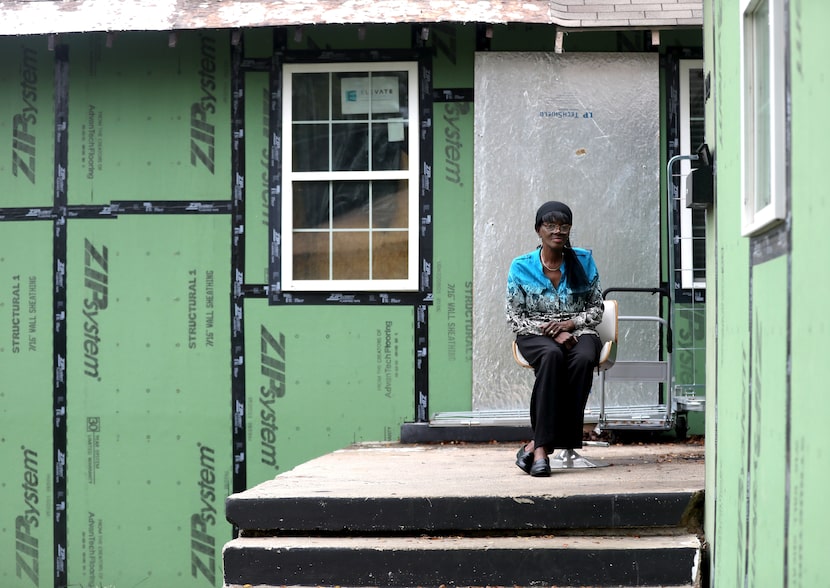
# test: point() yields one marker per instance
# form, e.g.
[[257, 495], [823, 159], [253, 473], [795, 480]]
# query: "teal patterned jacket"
[[532, 300]]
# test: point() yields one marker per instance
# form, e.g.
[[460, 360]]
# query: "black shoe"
[[524, 459], [540, 468]]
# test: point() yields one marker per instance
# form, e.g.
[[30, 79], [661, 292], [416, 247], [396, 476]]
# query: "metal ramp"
[[633, 417], [481, 418]]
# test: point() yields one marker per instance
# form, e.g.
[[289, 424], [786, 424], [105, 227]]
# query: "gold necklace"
[[550, 269]]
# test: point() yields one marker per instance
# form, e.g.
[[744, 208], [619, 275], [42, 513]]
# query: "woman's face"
[[554, 233]]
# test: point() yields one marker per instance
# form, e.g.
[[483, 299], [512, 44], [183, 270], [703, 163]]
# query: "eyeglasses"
[[554, 228]]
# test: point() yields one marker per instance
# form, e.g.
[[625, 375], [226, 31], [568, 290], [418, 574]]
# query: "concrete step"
[[442, 514], [463, 561], [465, 515]]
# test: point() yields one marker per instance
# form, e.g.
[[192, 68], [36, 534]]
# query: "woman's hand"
[[565, 339], [554, 328], [561, 332]]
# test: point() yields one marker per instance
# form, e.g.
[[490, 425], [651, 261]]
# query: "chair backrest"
[[608, 327], [608, 335]]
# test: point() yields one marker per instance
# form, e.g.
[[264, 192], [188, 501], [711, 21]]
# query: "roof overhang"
[[35, 17]]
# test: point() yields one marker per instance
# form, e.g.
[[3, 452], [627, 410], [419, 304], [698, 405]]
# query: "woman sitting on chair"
[[554, 301]]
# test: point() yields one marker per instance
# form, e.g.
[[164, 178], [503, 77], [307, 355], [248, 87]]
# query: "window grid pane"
[[311, 256], [390, 251]]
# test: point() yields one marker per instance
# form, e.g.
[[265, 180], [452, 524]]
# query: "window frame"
[[411, 175], [686, 267], [756, 219]]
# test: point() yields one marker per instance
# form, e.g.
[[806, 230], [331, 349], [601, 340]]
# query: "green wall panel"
[[148, 378], [450, 316], [453, 49], [689, 339], [258, 42], [772, 467], [732, 302], [810, 470], [26, 456], [257, 116], [155, 128], [351, 36], [732, 433], [320, 378], [26, 122], [767, 450], [689, 356]]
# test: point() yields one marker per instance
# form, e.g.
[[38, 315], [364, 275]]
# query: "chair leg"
[[568, 459]]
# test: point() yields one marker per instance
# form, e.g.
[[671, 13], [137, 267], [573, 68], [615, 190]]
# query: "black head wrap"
[[559, 211], [553, 207]]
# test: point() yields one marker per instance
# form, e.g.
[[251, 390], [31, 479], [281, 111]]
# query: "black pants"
[[563, 382]]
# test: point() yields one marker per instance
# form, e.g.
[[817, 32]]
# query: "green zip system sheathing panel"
[[26, 532], [148, 371], [809, 476], [766, 428], [733, 313], [770, 456], [27, 124], [451, 316], [154, 128], [312, 369], [256, 174]]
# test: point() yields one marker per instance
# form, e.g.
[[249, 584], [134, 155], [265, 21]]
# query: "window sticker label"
[[358, 94]]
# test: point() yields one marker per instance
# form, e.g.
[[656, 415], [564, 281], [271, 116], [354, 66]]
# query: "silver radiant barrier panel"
[[568, 459], [583, 128]]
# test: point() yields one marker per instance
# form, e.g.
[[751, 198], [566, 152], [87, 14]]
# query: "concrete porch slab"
[[392, 487]]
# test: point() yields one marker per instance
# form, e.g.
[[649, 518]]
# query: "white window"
[[692, 134], [763, 146], [350, 177]]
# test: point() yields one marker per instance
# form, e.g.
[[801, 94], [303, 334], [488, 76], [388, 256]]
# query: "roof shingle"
[[23, 17]]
